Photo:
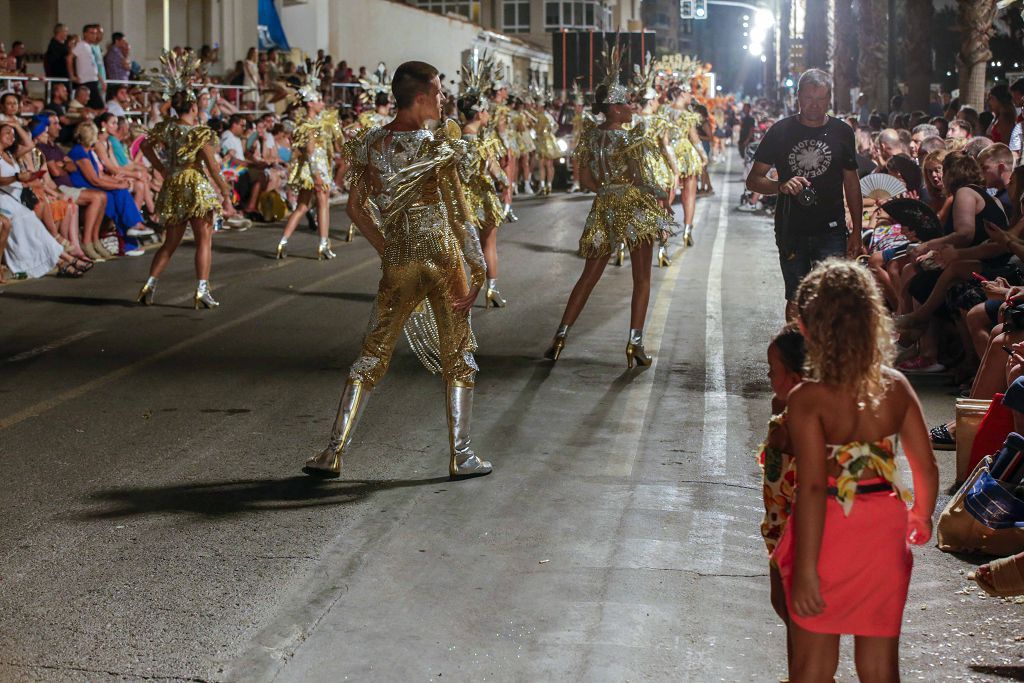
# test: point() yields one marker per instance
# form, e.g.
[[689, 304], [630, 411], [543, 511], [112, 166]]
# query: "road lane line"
[[638, 396], [716, 409], [52, 346], [63, 397]]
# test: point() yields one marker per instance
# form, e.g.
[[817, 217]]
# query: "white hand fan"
[[881, 186]]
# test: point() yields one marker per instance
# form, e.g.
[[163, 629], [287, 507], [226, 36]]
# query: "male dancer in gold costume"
[[412, 179]]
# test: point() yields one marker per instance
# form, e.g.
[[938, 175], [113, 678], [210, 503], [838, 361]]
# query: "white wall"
[[307, 26]]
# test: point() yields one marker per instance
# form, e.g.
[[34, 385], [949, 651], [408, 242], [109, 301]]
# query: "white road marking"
[[46, 348], [716, 409]]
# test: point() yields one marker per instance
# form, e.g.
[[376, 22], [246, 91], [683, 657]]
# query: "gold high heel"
[[145, 296], [635, 352], [558, 343], [663, 260], [620, 254], [351, 232], [688, 235], [323, 251], [492, 297], [205, 299], [282, 250]]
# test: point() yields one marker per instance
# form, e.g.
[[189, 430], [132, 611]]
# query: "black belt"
[[865, 488]]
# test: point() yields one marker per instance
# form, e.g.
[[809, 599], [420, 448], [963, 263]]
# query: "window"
[[516, 16], [470, 9], [573, 14]]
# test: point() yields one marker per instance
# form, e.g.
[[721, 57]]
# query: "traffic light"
[[686, 9], [700, 9]]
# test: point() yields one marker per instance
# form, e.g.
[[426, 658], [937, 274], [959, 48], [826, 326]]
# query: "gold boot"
[[351, 232], [145, 296], [327, 464], [492, 296], [688, 235], [558, 343], [282, 250], [464, 463], [635, 352], [323, 251]]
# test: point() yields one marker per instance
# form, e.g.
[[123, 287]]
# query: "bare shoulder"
[[807, 398]]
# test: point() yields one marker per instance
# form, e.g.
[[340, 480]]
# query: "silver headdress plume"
[[378, 82], [617, 93], [309, 91], [480, 75]]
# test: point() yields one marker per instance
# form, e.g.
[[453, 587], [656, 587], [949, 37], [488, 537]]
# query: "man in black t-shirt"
[[55, 61], [815, 157], [747, 125]]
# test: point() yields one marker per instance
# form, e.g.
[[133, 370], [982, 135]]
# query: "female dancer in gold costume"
[[545, 128], [630, 208], [487, 175], [659, 128], [412, 179], [310, 172], [187, 198], [502, 118], [690, 157]]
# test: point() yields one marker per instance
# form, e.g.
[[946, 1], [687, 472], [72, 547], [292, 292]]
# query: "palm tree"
[[843, 57], [818, 32], [873, 58], [976, 19], [918, 53]]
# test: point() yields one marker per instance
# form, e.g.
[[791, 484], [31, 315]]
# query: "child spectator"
[[844, 559], [785, 371]]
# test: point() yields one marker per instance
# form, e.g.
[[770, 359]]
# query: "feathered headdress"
[[480, 75], [378, 82], [309, 91], [617, 93], [176, 75], [643, 79], [577, 93]]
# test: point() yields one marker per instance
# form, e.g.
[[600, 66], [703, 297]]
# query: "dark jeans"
[[804, 251], [95, 97]]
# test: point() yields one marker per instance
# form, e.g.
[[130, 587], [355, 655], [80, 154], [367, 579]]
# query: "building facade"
[[674, 34]]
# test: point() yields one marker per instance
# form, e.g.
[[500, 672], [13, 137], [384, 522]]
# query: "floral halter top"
[[857, 456]]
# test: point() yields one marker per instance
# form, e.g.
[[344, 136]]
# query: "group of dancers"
[[429, 194]]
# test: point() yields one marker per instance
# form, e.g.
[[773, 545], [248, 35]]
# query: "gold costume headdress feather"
[[378, 82], [617, 93], [309, 91], [643, 79], [480, 75], [176, 74]]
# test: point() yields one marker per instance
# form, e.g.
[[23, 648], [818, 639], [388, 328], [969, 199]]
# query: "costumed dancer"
[[502, 124], [311, 172], [545, 128], [659, 128], [690, 157], [407, 200], [579, 111], [487, 175], [630, 207], [524, 121], [187, 163]]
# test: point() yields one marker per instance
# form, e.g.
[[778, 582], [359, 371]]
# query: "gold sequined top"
[[659, 130], [480, 187], [545, 128], [688, 159], [501, 123], [186, 192], [325, 132], [413, 180]]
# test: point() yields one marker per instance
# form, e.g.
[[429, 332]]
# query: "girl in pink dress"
[[845, 556]]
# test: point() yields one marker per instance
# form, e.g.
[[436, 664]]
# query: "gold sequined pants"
[[439, 279]]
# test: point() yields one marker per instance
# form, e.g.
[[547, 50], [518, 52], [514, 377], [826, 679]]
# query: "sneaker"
[[138, 231], [134, 252], [941, 439], [748, 207], [238, 223], [920, 366]]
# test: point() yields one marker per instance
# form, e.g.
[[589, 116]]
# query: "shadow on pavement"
[[223, 498], [360, 297], [74, 300], [1012, 673]]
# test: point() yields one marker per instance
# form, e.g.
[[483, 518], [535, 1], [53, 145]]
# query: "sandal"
[[82, 264], [1004, 579], [942, 440], [69, 270]]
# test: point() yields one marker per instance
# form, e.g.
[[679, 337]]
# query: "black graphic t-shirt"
[[819, 154]]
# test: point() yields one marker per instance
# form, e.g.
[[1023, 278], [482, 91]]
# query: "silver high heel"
[[204, 298], [492, 296], [327, 464], [323, 251], [464, 463], [510, 217], [635, 352], [282, 250], [146, 294], [688, 235]]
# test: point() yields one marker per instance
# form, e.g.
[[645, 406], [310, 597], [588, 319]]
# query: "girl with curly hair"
[[844, 557]]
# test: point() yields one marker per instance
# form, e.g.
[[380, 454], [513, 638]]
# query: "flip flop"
[[942, 440], [1005, 578]]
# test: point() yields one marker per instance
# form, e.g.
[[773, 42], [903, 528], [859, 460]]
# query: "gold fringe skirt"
[[622, 213], [547, 146], [484, 203], [186, 195], [688, 159]]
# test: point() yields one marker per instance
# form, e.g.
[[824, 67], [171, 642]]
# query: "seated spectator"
[[117, 99], [934, 193], [30, 248], [78, 108], [918, 135], [906, 169], [248, 185], [58, 213], [107, 125], [929, 145], [942, 125], [996, 162], [889, 145], [121, 208], [93, 203]]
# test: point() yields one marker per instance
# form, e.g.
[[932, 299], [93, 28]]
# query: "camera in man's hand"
[[806, 196]]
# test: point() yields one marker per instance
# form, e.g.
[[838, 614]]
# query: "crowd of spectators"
[[75, 189]]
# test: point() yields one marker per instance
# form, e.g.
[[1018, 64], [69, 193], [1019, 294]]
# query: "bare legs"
[[816, 657], [640, 261], [323, 223], [489, 244], [688, 198]]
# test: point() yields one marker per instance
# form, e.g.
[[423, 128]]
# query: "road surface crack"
[[707, 575], [749, 487], [118, 674]]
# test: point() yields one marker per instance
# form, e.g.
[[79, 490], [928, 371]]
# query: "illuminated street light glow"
[[763, 22]]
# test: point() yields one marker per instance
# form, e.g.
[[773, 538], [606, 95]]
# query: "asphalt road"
[[156, 525]]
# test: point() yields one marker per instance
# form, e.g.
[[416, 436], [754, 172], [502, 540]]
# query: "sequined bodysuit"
[[186, 192], [483, 200], [411, 187], [324, 131], [687, 157]]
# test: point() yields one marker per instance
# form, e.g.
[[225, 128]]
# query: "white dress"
[[31, 249]]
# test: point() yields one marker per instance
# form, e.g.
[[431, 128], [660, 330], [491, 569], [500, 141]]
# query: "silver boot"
[[464, 462], [204, 298], [688, 235], [492, 297], [327, 464], [635, 352]]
